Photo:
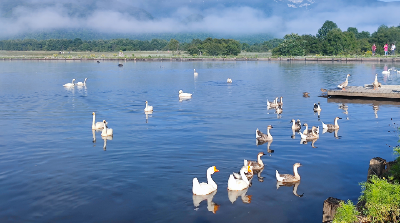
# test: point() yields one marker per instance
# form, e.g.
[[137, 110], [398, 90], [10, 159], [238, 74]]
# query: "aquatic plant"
[[346, 213]]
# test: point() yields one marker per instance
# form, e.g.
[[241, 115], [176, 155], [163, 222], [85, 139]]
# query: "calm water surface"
[[52, 171]]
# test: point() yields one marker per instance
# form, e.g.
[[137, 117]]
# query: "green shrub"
[[382, 200], [346, 213]]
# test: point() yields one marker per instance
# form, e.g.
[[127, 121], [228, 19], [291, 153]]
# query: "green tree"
[[292, 45], [326, 27], [173, 45], [337, 42]]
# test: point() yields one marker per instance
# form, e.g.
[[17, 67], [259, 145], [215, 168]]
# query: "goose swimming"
[[314, 134], [257, 165], [194, 72], [106, 131], [229, 81], [280, 102], [239, 184], [317, 107], [296, 125], [148, 108], [289, 177], [386, 72], [70, 84], [264, 137], [97, 125], [272, 104], [345, 83], [82, 84], [331, 126], [205, 188], [184, 95], [248, 174]]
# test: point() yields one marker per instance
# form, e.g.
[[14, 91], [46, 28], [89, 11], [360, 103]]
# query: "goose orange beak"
[[248, 169], [215, 169]]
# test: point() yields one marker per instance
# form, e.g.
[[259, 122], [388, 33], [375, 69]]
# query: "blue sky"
[[277, 17]]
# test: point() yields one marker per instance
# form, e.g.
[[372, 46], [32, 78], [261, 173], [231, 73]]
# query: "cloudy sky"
[[277, 17]]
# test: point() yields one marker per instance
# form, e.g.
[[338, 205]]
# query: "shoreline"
[[287, 59]]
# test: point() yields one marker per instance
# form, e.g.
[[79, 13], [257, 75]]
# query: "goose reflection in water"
[[234, 194], [345, 108], [305, 141], [318, 113], [294, 184], [334, 131], [259, 177], [259, 143], [105, 138], [376, 108], [147, 115], [211, 206], [94, 136]]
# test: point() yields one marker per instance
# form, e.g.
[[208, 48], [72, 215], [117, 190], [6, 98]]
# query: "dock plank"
[[386, 91]]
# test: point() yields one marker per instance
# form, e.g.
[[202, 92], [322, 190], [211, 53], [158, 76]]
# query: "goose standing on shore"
[[205, 188], [148, 108], [331, 126], [345, 83], [264, 137], [288, 177], [70, 84], [82, 83]]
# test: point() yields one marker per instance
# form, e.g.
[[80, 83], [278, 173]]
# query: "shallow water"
[[52, 171]]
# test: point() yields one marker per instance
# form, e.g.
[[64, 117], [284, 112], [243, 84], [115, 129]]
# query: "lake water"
[[52, 171]]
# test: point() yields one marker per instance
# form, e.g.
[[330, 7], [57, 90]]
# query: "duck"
[[345, 83], [82, 83], [106, 131], [205, 188], [120, 65], [229, 81], [70, 84], [317, 107], [148, 108], [376, 84], [257, 165], [272, 104], [184, 95], [323, 90], [306, 94], [386, 72], [296, 125], [97, 125], [331, 126], [195, 73], [289, 177], [264, 137], [310, 135], [239, 184]]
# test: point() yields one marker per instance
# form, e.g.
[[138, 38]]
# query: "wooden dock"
[[386, 91]]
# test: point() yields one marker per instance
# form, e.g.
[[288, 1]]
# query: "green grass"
[[346, 213]]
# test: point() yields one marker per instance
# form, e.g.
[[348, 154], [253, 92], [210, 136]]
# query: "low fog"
[[276, 17]]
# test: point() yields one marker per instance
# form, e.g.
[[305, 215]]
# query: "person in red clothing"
[[385, 48], [373, 49]]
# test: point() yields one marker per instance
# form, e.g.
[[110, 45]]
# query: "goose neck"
[[244, 178], [211, 181], [260, 160], [296, 174]]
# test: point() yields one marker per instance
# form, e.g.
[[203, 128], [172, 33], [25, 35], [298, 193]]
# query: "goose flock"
[[72, 84]]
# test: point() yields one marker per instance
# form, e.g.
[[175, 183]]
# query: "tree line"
[[330, 40]]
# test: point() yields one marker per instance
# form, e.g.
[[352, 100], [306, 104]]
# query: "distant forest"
[[329, 40]]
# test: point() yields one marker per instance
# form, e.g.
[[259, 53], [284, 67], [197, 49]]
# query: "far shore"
[[181, 56]]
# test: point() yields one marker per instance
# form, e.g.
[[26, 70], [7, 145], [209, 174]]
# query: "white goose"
[[148, 108], [296, 125], [106, 131], [97, 125], [70, 84], [317, 107], [82, 84], [289, 177], [331, 126], [195, 73], [205, 188], [229, 81], [386, 72], [239, 184], [184, 95]]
